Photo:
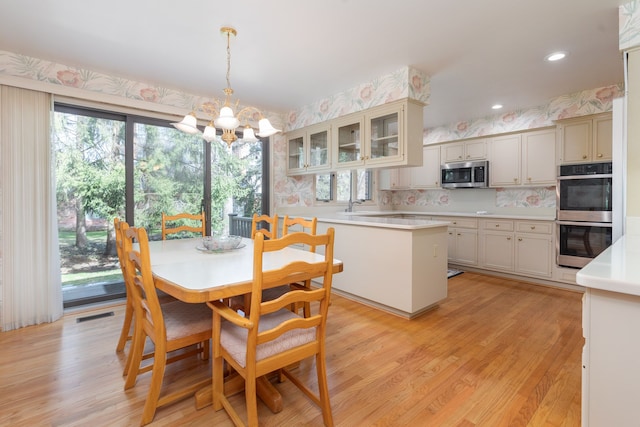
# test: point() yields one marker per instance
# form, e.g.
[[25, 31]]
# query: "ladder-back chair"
[[272, 337], [170, 326]]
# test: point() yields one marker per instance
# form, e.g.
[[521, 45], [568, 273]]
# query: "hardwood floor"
[[496, 352]]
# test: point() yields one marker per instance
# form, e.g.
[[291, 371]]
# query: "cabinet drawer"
[[534, 227], [459, 222], [500, 225]]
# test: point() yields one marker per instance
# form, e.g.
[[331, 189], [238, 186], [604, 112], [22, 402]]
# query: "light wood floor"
[[495, 353]]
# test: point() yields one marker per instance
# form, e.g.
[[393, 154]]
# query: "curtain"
[[30, 283]]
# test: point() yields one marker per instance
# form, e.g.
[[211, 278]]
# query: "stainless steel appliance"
[[584, 212], [465, 174]]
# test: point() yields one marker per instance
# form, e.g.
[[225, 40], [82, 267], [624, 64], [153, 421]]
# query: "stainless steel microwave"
[[465, 174]]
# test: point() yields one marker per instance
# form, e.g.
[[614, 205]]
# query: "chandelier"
[[223, 118]]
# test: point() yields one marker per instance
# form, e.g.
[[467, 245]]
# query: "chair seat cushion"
[[234, 338], [183, 319]]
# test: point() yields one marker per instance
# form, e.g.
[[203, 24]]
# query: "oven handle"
[[586, 224], [603, 175]]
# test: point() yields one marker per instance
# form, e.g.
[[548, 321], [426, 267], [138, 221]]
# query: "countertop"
[[616, 269], [383, 222], [412, 220]]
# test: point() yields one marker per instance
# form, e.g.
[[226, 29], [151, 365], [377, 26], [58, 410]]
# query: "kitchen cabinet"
[[420, 177], [534, 246], [462, 240], [427, 175], [586, 139], [497, 245], [384, 136], [462, 151], [521, 247], [309, 150], [394, 179], [610, 369], [523, 159]]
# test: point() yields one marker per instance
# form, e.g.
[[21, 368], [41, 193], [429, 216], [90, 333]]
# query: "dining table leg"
[[269, 395]]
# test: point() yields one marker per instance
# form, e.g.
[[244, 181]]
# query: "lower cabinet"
[[522, 247], [463, 240]]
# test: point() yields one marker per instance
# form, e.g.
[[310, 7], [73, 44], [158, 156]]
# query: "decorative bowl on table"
[[221, 242]]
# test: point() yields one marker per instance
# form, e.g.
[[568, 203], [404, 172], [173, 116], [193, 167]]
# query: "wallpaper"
[[629, 25]]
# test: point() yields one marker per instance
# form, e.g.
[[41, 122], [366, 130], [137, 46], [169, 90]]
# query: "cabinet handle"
[[497, 225], [508, 238], [529, 179], [519, 239], [533, 227], [515, 179], [584, 156], [454, 223], [599, 154], [459, 234]]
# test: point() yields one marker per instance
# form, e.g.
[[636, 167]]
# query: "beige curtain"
[[30, 260]]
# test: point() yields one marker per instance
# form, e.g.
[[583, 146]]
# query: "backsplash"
[[534, 197]]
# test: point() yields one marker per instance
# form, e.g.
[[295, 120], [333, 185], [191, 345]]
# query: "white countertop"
[[616, 269], [384, 222]]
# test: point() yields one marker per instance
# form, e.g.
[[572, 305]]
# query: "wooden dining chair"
[[272, 337], [289, 225], [126, 333], [183, 223], [259, 222], [171, 326]]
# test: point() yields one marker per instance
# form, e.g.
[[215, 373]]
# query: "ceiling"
[[290, 53]]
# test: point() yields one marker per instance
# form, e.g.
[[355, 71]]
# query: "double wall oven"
[[584, 212]]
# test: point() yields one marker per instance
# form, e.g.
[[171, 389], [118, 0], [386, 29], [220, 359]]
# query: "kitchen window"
[[342, 186]]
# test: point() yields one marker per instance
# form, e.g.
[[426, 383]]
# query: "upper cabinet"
[[462, 151], [585, 139], [523, 159], [423, 177], [309, 149], [389, 135]]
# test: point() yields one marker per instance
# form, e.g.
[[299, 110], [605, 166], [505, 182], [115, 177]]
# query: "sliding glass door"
[[135, 168]]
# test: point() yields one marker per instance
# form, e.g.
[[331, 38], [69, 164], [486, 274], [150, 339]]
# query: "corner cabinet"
[[426, 176], [309, 150], [389, 135], [586, 139]]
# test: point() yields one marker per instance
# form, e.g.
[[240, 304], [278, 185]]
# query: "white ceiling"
[[290, 53]]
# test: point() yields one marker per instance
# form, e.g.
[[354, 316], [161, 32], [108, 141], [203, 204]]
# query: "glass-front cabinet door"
[[384, 136], [348, 134], [308, 150], [295, 150]]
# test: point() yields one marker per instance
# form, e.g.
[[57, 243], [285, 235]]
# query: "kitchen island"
[[395, 264], [610, 319]]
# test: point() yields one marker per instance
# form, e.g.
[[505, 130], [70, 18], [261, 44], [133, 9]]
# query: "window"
[[134, 167], [342, 186]]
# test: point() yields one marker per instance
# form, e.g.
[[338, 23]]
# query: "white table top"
[[616, 269], [195, 276]]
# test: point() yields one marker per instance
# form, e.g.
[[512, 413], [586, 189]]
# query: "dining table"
[[184, 269]]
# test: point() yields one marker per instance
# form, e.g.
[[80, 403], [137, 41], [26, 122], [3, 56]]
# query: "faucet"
[[351, 203]]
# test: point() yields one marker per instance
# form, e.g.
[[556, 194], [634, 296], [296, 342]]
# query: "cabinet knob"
[[519, 239], [533, 227], [584, 156], [529, 179], [508, 238], [599, 154], [497, 225], [515, 179], [459, 234], [454, 223]]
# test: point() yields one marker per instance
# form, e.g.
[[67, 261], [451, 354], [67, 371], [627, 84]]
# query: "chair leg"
[[135, 356], [217, 381], [157, 375], [323, 387], [252, 400], [126, 332]]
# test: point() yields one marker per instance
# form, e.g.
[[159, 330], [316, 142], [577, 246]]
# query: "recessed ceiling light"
[[496, 106], [555, 56]]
